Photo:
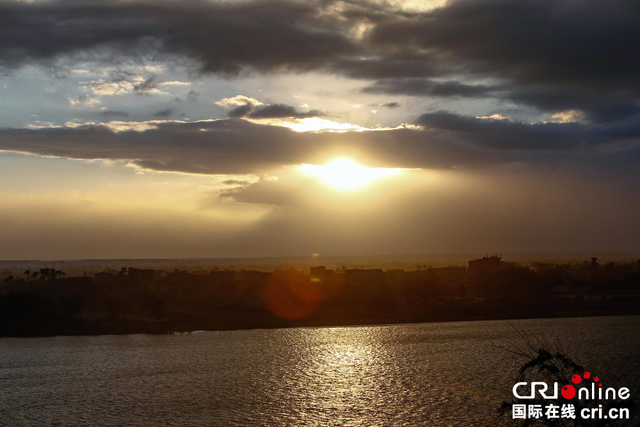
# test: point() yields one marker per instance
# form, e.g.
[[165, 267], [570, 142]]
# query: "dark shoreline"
[[148, 327], [132, 300]]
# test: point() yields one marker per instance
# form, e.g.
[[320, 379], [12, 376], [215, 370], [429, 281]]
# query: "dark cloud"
[[553, 55], [271, 111], [512, 135], [586, 43], [42, 32], [392, 65], [193, 96], [422, 87], [575, 43], [598, 106], [227, 37], [230, 38], [238, 146], [146, 86], [549, 54], [281, 111], [391, 105], [121, 76], [241, 110], [263, 193], [166, 113]]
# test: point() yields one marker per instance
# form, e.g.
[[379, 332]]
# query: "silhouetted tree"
[[45, 274]]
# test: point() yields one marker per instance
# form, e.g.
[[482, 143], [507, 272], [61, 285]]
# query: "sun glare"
[[345, 174]]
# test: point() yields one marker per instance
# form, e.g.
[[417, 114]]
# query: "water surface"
[[438, 374]]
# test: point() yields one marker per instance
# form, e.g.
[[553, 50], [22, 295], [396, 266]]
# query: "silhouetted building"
[[394, 276], [141, 275], [356, 277], [484, 265], [319, 273]]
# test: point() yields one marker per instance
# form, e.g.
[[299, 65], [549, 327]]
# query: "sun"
[[345, 174]]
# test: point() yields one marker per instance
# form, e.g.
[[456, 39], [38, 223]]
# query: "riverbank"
[[224, 320]]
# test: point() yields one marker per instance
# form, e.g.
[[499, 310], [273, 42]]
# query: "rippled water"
[[442, 374]]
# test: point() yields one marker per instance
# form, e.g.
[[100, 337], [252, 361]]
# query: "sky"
[[194, 128]]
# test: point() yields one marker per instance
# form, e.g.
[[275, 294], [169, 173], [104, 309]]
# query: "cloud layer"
[[585, 58], [232, 146], [237, 146]]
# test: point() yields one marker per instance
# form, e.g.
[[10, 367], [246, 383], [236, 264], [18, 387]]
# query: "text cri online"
[[569, 410]]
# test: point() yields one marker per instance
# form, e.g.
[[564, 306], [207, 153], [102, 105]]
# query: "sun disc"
[[345, 174]]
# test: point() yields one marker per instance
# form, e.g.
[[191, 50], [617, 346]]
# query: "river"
[[436, 374]]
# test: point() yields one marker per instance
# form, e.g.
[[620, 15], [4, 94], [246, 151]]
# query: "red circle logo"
[[568, 392]]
